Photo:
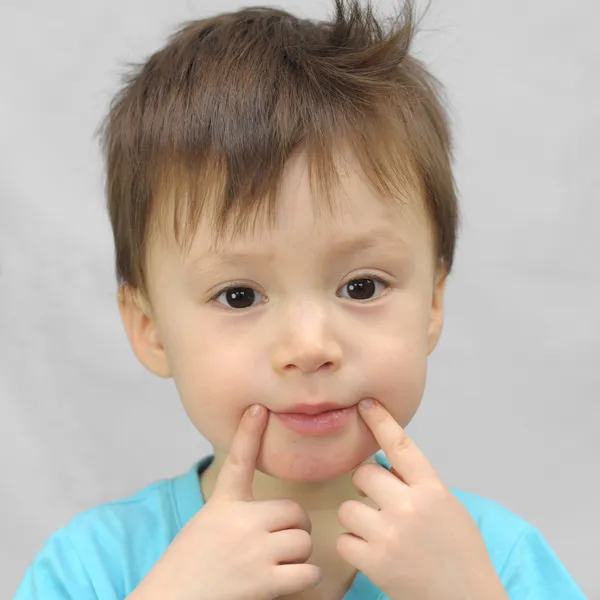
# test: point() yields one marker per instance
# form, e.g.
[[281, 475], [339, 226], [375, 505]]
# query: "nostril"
[[326, 365]]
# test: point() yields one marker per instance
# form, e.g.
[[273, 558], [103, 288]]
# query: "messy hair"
[[206, 125]]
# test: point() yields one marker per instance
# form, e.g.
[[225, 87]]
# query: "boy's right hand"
[[235, 547]]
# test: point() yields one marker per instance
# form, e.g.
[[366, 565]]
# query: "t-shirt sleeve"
[[56, 573], [534, 572]]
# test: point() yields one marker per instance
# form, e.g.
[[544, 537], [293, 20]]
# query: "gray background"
[[511, 409]]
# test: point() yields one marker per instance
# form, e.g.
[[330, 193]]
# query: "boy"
[[284, 217]]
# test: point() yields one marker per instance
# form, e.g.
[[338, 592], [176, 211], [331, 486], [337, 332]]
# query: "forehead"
[[353, 209], [352, 199]]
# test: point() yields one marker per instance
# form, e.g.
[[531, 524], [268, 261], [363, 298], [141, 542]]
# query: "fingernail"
[[367, 403], [255, 410]]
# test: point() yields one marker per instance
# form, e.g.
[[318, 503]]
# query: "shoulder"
[[104, 552], [500, 527], [145, 518], [527, 565]]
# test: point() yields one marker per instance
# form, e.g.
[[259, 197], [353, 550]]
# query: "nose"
[[307, 342]]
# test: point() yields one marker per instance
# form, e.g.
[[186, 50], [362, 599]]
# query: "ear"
[[142, 331], [436, 320]]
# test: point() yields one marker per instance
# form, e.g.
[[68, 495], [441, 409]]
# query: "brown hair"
[[208, 123]]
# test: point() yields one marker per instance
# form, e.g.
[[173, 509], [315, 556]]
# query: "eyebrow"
[[340, 248]]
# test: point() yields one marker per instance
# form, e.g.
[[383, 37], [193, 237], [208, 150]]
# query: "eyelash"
[[367, 275], [231, 286], [236, 285]]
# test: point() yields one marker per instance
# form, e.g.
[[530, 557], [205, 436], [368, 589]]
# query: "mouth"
[[311, 409], [315, 419]]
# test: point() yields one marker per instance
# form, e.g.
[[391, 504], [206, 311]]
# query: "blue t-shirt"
[[104, 552]]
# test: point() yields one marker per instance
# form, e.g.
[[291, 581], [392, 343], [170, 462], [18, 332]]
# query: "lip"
[[322, 419], [311, 409]]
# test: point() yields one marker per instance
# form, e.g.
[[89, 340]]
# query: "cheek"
[[396, 374], [214, 382]]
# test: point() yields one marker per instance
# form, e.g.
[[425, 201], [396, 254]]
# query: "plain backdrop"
[[511, 409]]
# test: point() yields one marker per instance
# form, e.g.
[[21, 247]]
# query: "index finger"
[[237, 473], [404, 455]]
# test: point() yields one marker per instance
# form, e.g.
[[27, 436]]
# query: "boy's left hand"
[[422, 543]]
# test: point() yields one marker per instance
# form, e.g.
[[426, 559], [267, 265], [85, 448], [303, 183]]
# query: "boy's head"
[[284, 217]]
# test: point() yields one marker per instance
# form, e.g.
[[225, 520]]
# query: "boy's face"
[[324, 309]]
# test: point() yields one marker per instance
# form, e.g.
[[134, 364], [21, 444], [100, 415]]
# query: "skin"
[[305, 339]]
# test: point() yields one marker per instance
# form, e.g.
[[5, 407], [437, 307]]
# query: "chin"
[[315, 459]]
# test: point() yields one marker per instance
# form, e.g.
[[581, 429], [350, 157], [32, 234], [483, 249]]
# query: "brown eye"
[[237, 297], [362, 289]]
